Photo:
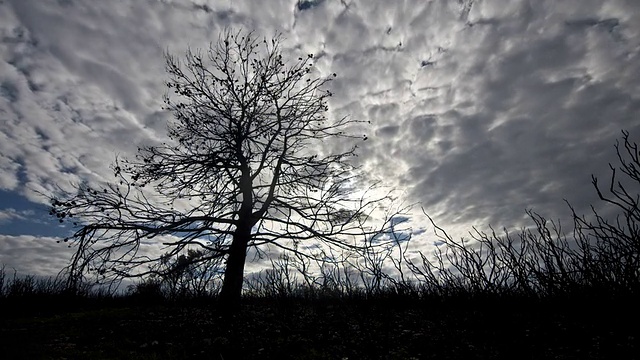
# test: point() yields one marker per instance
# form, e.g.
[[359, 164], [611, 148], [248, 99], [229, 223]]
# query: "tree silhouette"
[[244, 167]]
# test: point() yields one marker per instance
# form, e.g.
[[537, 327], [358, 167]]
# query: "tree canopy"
[[247, 164]]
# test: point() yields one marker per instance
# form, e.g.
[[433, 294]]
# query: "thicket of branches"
[[599, 257]]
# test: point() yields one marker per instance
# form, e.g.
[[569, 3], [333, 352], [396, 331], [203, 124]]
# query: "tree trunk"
[[231, 291]]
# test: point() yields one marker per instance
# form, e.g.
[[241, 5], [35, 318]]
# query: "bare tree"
[[244, 167]]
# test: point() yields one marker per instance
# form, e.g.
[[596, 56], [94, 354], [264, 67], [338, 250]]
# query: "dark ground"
[[331, 329]]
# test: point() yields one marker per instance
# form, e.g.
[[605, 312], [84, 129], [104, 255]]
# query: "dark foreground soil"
[[334, 329]]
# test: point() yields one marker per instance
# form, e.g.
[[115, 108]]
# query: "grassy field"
[[384, 327]]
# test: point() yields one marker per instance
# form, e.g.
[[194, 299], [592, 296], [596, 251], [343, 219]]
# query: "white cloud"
[[9, 214], [33, 255]]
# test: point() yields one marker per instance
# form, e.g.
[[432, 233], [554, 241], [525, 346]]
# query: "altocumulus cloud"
[[479, 109]]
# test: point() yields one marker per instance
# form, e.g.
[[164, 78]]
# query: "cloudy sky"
[[479, 109]]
